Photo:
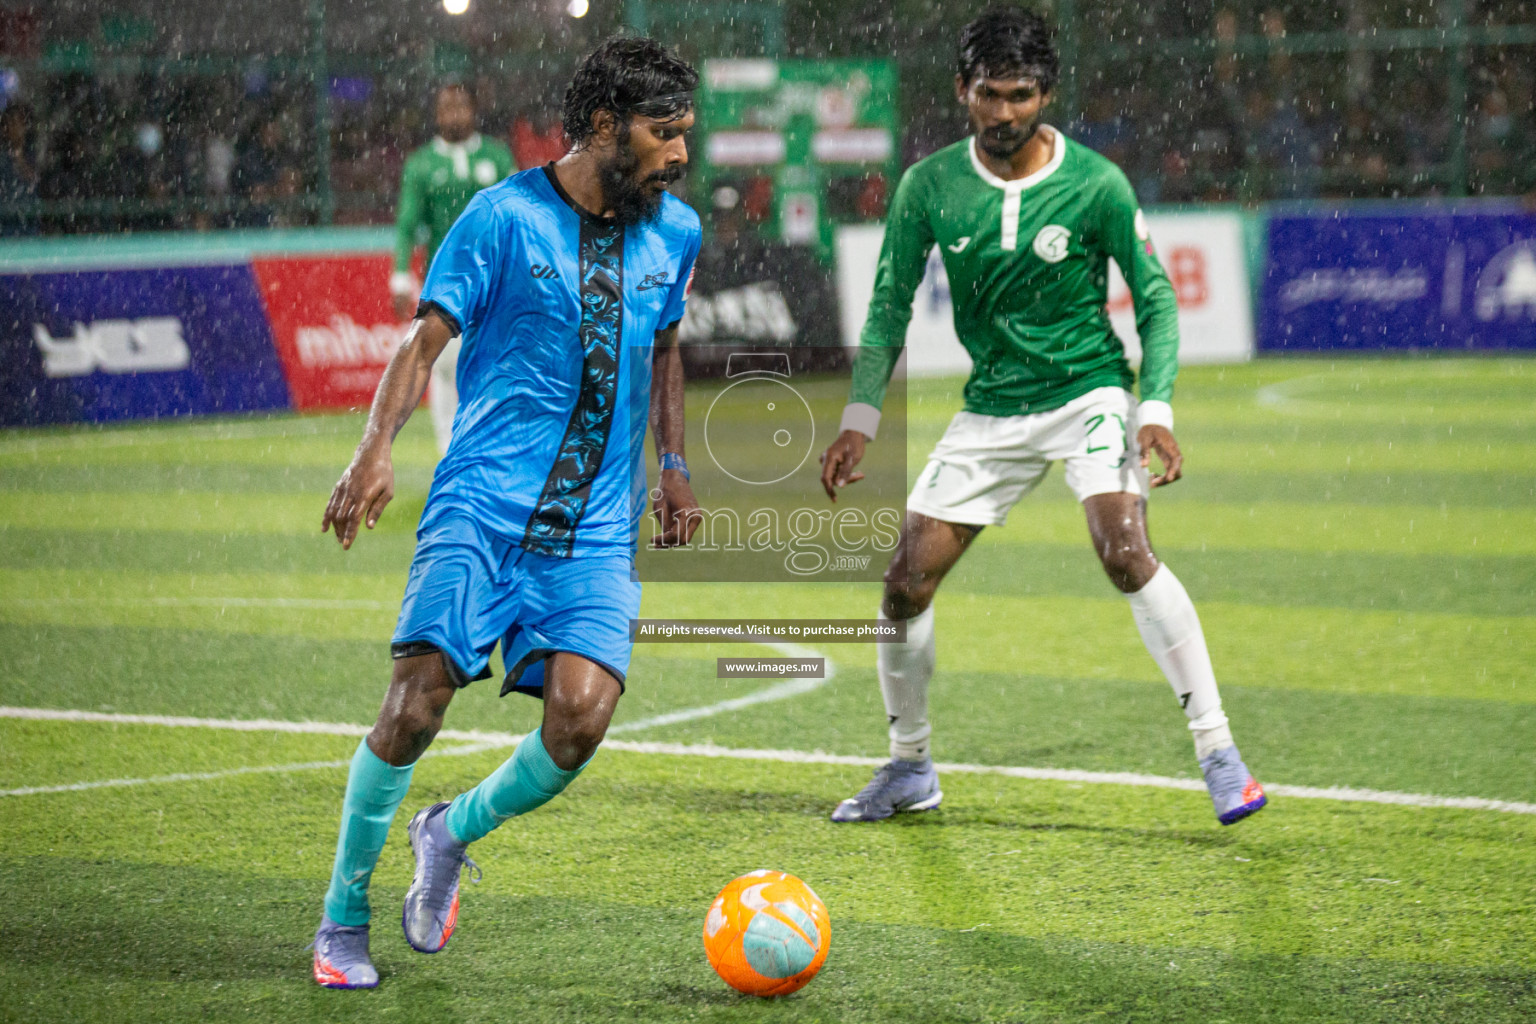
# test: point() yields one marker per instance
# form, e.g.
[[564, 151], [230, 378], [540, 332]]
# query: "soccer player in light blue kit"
[[559, 280]]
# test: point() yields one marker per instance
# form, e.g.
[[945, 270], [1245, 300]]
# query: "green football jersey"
[[1028, 275], [439, 181]]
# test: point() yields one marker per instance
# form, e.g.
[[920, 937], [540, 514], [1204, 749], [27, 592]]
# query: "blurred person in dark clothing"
[[1105, 129], [73, 172], [259, 162], [18, 171], [1281, 147]]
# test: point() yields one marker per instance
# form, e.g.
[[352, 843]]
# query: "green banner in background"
[[804, 143]]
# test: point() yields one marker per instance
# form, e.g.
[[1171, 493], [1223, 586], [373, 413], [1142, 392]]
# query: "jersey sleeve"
[[408, 217], [677, 298], [903, 259], [1123, 228], [466, 264]]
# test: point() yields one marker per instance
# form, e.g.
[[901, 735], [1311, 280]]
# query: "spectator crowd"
[[82, 152], [200, 153]]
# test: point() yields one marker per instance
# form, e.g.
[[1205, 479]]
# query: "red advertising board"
[[333, 325]]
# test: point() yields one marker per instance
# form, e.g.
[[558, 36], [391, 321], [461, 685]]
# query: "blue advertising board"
[[1439, 279], [95, 345]]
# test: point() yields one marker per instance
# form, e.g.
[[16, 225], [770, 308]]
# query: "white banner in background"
[[1202, 253]]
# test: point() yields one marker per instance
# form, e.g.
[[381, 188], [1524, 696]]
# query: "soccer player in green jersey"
[[439, 181], [1026, 221]]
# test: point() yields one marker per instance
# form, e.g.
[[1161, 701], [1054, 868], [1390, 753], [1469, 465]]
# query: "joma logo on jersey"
[[1051, 243], [544, 272], [150, 345]]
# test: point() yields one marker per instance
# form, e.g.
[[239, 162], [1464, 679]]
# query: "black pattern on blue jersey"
[[552, 526]]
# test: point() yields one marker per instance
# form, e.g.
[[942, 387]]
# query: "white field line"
[[488, 741], [1282, 396], [1294, 395], [779, 691], [1339, 793]]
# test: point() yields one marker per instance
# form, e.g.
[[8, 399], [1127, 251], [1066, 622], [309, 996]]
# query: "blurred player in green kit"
[[439, 181], [1026, 221]]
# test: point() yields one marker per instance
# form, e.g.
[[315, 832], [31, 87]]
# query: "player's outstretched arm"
[[839, 460], [1154, 438], [675, 507], [369, 482]]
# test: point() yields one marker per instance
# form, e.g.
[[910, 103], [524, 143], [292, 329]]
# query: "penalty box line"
[[478, 742]]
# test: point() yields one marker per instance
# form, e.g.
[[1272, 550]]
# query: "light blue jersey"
[[558, 309]]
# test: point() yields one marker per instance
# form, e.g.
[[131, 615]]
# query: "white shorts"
[[984, 464]]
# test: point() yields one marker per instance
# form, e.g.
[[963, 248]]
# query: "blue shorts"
[[469, 589]]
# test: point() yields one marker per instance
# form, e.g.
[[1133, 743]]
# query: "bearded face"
[[633, 194], [1002, 141], [1005, 111]]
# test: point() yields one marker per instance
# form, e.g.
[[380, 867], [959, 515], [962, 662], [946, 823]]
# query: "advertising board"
[[136, 343], [1437, 278]]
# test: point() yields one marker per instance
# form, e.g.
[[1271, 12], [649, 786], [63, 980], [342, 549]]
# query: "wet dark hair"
[[454, 82], [1008, 42], [628, 76]]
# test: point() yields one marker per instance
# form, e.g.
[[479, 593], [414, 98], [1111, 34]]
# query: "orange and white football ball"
[[767, 933]]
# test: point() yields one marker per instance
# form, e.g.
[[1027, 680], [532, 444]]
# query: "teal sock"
[[374, 791], [526, 780]]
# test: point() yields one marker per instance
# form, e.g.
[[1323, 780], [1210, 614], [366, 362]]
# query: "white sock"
[[905, 669], [1171, 630]]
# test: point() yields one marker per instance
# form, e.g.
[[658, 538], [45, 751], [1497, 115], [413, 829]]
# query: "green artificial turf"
[[1359, 538]]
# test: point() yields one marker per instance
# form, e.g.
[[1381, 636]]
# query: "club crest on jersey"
[[1051, 243]]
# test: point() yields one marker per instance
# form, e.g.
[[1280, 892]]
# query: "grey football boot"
[[341, 956], [897, 786], [1235, 793], [432, 902]]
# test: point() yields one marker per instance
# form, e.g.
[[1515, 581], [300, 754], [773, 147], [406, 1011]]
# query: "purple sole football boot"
[[1235, 793]]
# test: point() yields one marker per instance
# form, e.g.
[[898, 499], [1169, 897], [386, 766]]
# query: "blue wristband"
[[672, 460]]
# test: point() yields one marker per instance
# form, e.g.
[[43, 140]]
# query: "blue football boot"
[[432, 902], [1234, 791], [341, 956], [897, 786]]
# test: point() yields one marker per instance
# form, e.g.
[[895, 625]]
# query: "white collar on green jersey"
[[459, 151], [1058, 154], [1013, 191]]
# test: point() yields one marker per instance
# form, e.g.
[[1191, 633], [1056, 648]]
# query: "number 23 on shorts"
[[1095, 423]]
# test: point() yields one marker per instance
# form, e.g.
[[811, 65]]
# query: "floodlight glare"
[[578, 8], [455, 6]]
